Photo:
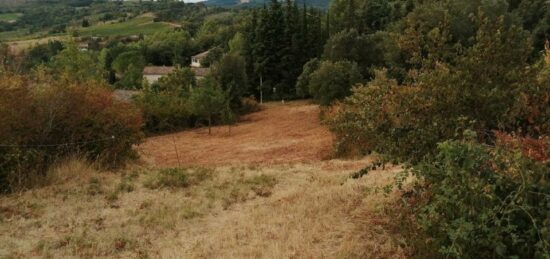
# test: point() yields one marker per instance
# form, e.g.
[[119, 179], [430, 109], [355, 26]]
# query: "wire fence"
[[77, 143]]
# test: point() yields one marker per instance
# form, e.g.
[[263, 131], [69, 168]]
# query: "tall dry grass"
[[284, 211]]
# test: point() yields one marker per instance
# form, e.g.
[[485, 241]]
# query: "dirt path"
[[279, 134], [315, 211]]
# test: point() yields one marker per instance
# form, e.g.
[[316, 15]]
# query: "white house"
[[196, 60], [153, 73]]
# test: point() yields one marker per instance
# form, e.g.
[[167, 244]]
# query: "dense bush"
[[129, 69], [484, 202], [249, 105], [165, 103], [164, 111], [302, 84], [491, 86], [333, 80], [384, 117], [472, 200], [47, 119]]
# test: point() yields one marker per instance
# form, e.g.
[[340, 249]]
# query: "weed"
[[94, 186], [171, 178], [125, 186], [112, 196], [178, 178]]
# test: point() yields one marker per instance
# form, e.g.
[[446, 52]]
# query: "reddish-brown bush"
[[536, 149], [44, 120]]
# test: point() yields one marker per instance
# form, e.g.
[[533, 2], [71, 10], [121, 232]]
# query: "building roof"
[[200, 71], [156, 70], [201, 55]]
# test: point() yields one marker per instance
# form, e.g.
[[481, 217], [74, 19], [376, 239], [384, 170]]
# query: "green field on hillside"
[[144, 25], [6, 17]]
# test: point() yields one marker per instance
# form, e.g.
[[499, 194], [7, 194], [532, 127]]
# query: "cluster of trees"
[[278, 40], [180, 101], [460, 92]]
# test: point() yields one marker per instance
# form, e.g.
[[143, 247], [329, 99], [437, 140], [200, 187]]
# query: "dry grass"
[[232, 202], [282, 211], [279, 134]]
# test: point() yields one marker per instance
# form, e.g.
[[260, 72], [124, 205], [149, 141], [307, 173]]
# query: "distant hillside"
[[11, 3], [230, 3]]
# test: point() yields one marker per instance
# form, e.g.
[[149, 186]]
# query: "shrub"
[[249, 105], [164, 111], [302, 84], [333, 80], [172, 178], [484, 202], [389, 119], [178, 178], [46, 120], [492, 86], [208, 100], [165, 103]]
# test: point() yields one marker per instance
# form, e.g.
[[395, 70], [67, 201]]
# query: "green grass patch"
[[9, 17], [144, 25], [178, 178]]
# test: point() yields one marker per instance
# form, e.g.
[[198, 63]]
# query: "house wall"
[[151, 79], [195, 62]]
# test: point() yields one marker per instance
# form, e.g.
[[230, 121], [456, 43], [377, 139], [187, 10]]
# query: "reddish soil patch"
[[279, 134]]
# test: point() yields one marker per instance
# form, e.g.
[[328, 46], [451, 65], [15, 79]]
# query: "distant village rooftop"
[[157, 70], [153, 73], [201, 55]]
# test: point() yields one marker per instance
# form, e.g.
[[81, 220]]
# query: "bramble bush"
[[492, 86], [44, 120], [484, 202], [487, 195]]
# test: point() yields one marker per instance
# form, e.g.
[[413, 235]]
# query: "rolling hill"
[[233, 3]]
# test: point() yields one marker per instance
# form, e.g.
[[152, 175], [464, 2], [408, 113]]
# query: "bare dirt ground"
[[268, 192], [279, 134]]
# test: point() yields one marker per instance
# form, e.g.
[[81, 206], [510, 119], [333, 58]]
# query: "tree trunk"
[[209, 125]]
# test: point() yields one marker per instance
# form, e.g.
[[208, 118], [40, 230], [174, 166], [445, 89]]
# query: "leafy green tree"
[[278, 41], [213, 56], [236, 44], [178, 83], [482, 89], [228, 117], [230, 74], [129, 69], [350, 46], [169, 48], [41, 54], [302, 85], [207, 101], [77, 65], [333, 80], [366, 16]]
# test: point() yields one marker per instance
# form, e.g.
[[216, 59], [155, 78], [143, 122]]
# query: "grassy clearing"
[[281, 211], [9, 17], [135, 26], [87, 213]]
